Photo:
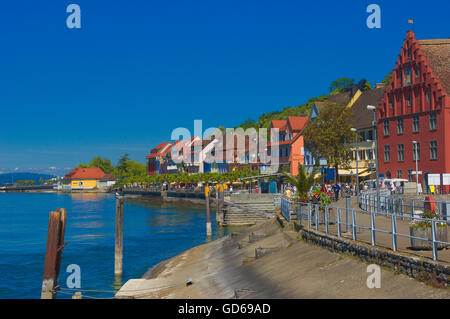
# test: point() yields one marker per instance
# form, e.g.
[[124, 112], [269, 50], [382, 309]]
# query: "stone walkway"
[[382, 239]]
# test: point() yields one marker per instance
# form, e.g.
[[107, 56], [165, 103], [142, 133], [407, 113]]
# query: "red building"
[[416, 107]]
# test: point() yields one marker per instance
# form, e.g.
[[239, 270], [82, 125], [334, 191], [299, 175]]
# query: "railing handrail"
[[286, 205]]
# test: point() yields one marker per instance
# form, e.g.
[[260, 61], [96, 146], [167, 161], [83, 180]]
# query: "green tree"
[[327, 136], [367, 86], [121, 168], [387, 79], [303, 181], [341, 85], [103, 163]]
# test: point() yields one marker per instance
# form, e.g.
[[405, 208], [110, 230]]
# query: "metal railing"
[[311, 213], [395, 204]]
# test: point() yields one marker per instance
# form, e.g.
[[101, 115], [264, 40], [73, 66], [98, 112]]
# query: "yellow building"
[[84, 178]]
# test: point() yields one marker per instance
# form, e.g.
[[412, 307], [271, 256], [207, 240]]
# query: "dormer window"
[[408, 53]]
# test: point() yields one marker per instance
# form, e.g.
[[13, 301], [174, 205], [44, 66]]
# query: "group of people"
[[334, 191]]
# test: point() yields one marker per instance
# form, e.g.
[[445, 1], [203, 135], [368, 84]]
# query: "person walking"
[[337, 188]]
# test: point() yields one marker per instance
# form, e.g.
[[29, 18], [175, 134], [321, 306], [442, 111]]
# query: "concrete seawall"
[[271, 260]]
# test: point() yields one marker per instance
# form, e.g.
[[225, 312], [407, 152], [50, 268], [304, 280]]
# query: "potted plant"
[[422, 229]]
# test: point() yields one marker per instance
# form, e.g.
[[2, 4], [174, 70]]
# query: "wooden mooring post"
[[208, 213], [53, 252], [118, 255]]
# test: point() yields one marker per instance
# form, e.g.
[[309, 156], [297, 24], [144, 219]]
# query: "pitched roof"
[[85, 173], [108, 177], [279, 124], [437, 53], [160, 150], [298, 123], [341, 98], [361, 116]]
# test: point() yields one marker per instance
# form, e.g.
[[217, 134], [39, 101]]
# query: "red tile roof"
[[298, 123], [160, 150], [85, 173], [279, 124]]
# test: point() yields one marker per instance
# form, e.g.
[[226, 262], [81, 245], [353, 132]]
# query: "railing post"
[[394, 232], [353, 224], [433, 236], [299, 210], [339, 222], [401, 208], [316, 211], [372, 228], [288, 213], [309, 215], [412, 208], [346, 215], [326, 220]]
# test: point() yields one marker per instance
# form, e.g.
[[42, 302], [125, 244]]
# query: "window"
[[433, 121], [416, 151], [408, 100], [428, 96], [408, 77], [417, 72], [408, 53], [369, 155], [410, 175], [391, 102], [401, 152], [400, 125], [386, 127], [399, 173], [387, 153], [433, 150], [416, 123]]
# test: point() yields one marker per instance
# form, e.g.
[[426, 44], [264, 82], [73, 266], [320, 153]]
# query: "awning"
[[352, 172], [364, 174]]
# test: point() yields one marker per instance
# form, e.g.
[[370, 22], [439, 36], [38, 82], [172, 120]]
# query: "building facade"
[[416, 107], [290, 142], [84, 178]]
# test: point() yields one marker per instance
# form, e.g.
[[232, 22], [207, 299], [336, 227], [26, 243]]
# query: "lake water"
[[153, 231]]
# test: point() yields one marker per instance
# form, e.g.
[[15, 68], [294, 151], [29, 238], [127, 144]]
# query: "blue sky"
[[138, 69]]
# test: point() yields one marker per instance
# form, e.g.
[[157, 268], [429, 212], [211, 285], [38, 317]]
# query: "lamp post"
[[417, 173], [356, 158], [374, 123]]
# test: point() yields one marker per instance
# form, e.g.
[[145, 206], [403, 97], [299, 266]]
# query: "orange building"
[[290, 142]]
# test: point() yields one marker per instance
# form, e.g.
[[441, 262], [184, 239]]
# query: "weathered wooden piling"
[[118, 255], [53, 253], [208, 213]]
